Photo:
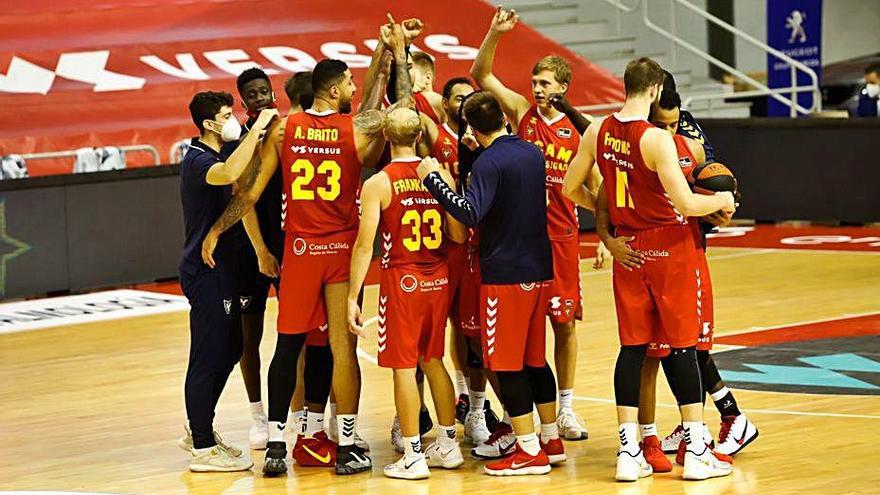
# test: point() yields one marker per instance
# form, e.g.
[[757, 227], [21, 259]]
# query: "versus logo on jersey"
[[299, 246], [564, 132], [299, 150], [408, 283]]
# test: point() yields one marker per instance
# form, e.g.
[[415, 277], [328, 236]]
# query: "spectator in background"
[[299, 89], [869, 96]]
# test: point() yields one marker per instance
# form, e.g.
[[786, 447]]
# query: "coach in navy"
[[507, 201], [215, 328]]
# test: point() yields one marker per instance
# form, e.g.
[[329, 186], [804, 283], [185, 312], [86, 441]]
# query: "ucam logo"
[[24, 76]]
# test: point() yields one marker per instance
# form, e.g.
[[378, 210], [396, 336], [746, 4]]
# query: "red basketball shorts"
[[565, 304], [310, 264], [413, 307], [658, 302], [514, 327], [464, 289]]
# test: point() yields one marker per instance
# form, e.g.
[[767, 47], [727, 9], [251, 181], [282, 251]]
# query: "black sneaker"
[[426, 424], [275, 454], [351, 459], [462, 407], [492, 421]]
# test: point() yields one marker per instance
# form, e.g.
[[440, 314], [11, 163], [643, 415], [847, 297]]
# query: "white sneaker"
[[443, 458], [332, 431], [671, 442], [631, 468], [258, 436], [736, 432], [185, 442], [570, 425], [707, 437], [704, 466], [217, 460], [408, 468], [498, 445], [475, 429], [396, 435]]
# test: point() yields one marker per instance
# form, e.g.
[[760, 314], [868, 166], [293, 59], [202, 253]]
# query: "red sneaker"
[[654, 454], [519, 463], [682, 447], [317, 451], [554, 450]]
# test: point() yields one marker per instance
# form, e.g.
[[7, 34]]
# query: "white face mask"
[[231, 130], [873, 90]]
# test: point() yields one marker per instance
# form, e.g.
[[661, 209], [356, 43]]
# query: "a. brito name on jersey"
[[316, 150], [328, 135]]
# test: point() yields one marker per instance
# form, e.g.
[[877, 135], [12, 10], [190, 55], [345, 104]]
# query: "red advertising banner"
[[77, 73]]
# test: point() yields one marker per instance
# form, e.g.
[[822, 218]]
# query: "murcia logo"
[[408, 283], [564, 132], [299, 246]]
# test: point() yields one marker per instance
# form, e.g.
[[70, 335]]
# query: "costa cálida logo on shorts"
[[527, 287], [408, 283], [299, 246]]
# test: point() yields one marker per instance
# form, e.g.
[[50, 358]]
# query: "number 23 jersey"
[[322, 174]]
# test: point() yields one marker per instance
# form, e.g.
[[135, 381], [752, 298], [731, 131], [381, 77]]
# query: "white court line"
[[750, 252], [760, 411]]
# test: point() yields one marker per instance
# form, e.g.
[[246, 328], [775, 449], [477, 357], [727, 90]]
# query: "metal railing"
[[48, 155], [777, 94]]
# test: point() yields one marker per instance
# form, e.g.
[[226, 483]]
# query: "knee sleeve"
[[318, 373], [628, 374], [282, 374], [516, 392], [709, 371], [543, 384], [683, 374]]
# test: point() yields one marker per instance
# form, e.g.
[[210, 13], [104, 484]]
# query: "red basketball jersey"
[[686, 158], [322, 174], [559, 140], [636, 198], [446, 151], [424, 106], [412, 223]]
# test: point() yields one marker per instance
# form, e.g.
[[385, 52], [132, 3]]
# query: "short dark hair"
[[873, 68], [483, 112], [668, 82], [249, 75], [206, 105], [669, 100], [447, 88], [299, 89], [327, 73], [641, 74]]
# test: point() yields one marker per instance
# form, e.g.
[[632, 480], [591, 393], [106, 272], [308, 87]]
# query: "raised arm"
[[374, 82], [372, 194], [228, 172], [579, 173], [513, 104], [580, 120], [660, 154]]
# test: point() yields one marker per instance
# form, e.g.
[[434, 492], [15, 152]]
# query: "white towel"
[[13, 167]]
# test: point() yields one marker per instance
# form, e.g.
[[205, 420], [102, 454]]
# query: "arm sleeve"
[[473, 206]]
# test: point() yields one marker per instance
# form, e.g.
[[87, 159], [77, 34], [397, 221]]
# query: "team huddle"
[[472, 202]]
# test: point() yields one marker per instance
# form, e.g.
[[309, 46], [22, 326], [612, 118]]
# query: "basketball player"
[[552, 131], [298, 88], [649, 200], [413, 293], [215, 296], [736, 429], [506, 198], [322, 150]]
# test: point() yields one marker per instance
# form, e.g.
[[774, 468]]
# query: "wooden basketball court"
[[97, 407]]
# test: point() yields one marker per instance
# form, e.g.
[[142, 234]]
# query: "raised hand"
[[504, 20]]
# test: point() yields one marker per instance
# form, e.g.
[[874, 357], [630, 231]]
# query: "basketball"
[[710, 178]]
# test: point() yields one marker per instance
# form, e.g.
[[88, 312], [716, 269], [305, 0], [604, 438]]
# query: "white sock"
[[412, 446], [202, 451], [629, 437], [505, 418], [332, 406], [460, 384], [315, 421], [720, 394], [257, 411], [565, 398], [549, 432], [478, 400], [648, 430], [295, 417], [276, 431], [446, 436], [346, 425], [529, 443], [693, 436]]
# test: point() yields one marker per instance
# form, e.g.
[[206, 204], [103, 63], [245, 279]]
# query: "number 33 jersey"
[[412, 223], [322, 174]]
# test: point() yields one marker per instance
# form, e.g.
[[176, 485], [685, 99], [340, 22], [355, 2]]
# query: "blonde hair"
[[402, 126], [555, 64]]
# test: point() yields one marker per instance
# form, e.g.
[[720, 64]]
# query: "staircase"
[[588, 28]]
